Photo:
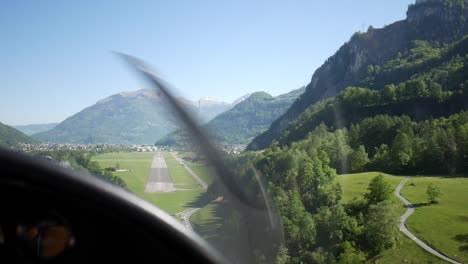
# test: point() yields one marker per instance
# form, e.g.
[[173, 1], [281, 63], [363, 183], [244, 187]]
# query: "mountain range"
[[365, 60], [247, 119], [138, 117], [35, 128]]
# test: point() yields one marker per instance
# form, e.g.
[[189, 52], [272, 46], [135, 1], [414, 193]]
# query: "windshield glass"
[[302, 132]]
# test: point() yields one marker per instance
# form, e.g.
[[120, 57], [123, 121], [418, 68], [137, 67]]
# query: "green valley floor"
[[137, 167], [443, 226]]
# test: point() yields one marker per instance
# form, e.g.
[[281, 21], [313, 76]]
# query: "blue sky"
[[56, 56]]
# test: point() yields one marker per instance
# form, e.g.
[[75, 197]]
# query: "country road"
[[408, 233], [189, 170], [185, 217]]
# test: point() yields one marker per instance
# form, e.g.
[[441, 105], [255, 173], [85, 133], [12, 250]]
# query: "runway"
[[159, 179]]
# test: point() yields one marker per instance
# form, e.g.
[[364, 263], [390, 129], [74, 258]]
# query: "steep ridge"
[[434, 21]]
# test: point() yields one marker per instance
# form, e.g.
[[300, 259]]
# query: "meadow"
[[180, 177], [206, 223], [138, 165], [203, 170], [443, 226]]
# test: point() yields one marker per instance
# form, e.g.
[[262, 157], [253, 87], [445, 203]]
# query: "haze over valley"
[[366, 163], [138, 117]]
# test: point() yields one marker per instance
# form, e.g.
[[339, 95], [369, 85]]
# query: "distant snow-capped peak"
[[210, 101]]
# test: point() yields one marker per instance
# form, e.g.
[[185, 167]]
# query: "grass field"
[[406, 251], [444, 226], [179, 175], [139, 164], [206, 223], [202, 170], [355, 185]]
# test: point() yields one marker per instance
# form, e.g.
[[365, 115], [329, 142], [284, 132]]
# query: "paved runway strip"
[[159, 179]]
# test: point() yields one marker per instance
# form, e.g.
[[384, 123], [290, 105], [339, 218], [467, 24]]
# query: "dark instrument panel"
[[50, 215]]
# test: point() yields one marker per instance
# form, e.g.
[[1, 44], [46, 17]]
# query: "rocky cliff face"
[[442, 21], [437, 20]]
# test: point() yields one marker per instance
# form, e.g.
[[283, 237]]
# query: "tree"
[[379, 190], [351, 255], [433, 192], [283, 255], [380, 227], [443, 154], [462, 143], [298, 224], [359, 159], [388, 95], [334, 226], [402, 151], [435, 90]]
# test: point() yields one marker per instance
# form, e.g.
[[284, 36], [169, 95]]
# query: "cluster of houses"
[[145, 148], [75, 147], [231, 149]]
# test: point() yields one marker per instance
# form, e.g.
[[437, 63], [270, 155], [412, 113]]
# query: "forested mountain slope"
[[437, 86], [10, 137], [35, 128], [138, 117], [391, 100], [438, 23], [244, 121]]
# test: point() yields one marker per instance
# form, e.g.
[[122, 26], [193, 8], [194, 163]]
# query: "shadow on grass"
[[463, 248], [453, 176], [461, 238], [416, 205], [206, 228], [200, 201], [464, 239], [418, 175], [210, 229]]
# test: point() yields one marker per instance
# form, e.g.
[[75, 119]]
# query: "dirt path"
[[408, 233], [159, 179]]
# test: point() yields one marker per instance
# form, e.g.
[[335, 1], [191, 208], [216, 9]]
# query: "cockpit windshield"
[[340, 134]]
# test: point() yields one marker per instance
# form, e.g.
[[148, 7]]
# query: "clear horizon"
[[58, 58]]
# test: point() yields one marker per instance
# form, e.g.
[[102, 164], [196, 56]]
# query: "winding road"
[[185, 215], [405, 230]]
